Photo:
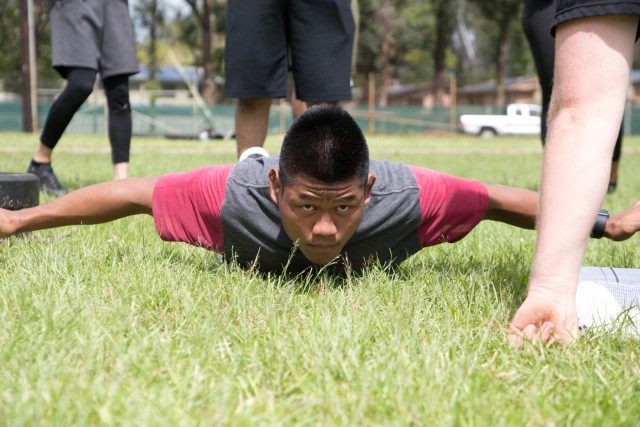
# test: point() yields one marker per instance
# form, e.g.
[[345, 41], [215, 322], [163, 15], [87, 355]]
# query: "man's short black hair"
[[324, 143]]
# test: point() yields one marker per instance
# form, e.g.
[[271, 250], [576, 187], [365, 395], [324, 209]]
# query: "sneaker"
[[253, 153], [48, 181]]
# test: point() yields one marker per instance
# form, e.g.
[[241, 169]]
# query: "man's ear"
[[367, 189], [274, 185]]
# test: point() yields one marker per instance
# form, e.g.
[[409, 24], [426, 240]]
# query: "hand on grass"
[[623, 225], [544, 317]]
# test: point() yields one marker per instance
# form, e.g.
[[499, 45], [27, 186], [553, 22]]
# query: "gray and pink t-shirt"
[[228, 209]]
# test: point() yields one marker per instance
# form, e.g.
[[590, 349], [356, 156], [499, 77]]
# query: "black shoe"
[[612, 186], [48, 181]]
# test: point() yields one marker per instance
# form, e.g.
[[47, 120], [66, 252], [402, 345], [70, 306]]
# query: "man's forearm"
[[514, 206], [95, 204]]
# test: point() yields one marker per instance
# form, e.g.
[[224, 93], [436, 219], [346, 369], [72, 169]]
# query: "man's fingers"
[[515, 337], [532, 333], [547, 332]]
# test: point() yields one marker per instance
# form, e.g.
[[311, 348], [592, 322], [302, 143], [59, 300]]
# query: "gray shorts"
[[567, 10], [263, 37], [94, 34]]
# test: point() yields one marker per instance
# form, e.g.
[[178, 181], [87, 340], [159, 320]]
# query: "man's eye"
[[308, 208], [343, 208]]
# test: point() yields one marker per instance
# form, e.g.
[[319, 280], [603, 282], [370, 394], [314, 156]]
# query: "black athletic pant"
[[79, 87], [536, 21]]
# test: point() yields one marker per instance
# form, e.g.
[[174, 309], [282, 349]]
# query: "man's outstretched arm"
[[94, 204], [518, 207], [513, 206]]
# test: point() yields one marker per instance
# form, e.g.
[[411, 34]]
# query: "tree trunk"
[[208, 84], [440, 51], [501, 62], [28, 71], [387, 18]]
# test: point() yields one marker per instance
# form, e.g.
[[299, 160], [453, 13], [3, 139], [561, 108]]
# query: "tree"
[[408, 40], [445, 18], [502, 16], [10, 64], [387, 19], [149, 15], [202, 12]]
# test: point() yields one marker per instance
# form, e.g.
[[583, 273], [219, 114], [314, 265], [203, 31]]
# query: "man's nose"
[[325, 226]]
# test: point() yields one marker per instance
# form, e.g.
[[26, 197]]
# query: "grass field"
[[107, 325]]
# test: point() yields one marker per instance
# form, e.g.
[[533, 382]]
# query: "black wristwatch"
[[601, 221]]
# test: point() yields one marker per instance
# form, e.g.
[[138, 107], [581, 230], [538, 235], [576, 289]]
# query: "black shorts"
[[94, 34], [567, 10], [260, 35]]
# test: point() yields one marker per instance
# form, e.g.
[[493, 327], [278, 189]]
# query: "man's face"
[[321, 217]]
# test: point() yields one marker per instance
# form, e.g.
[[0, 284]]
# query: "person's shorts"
[[259, 34], [567, 10], [94, 34]]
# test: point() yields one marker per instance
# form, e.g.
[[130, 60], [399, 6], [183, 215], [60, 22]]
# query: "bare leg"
[[43, 154], [297, 106], [120, 171], [252, 119]]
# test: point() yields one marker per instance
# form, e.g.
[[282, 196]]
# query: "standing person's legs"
[[117, 92], [536, 22], [321, 34], [252, 120], [79, 86], [297, 106], [255, 65], [615, 162], [118, 61]]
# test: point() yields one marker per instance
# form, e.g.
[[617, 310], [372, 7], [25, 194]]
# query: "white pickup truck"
[[521, 119]]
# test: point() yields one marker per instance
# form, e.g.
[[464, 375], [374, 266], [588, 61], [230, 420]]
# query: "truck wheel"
[[487, 133], [19, 190]]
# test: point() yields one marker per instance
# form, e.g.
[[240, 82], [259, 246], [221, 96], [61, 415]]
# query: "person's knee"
[[118, 97], [79, 89], [255, 104]]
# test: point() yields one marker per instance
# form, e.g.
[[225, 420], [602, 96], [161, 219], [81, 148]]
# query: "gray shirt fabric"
[[254, 235]]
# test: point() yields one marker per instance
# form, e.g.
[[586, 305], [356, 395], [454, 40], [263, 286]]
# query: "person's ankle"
[[120, 171], [40, 162]]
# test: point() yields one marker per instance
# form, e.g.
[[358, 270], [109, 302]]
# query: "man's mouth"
[[322, 246]]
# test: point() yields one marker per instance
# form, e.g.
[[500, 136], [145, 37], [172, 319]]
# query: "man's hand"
[[545, 317], [623, 225]]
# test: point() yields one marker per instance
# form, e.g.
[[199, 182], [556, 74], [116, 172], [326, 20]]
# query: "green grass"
[[107, 325]]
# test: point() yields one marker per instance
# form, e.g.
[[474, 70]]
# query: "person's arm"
[[514, 206], [95, 204], [519, 206], [593, 60], [623, 225]]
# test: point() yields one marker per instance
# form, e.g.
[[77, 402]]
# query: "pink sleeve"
[[451, 207], [186, 206]]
